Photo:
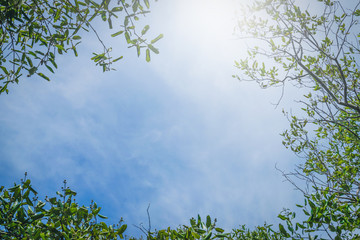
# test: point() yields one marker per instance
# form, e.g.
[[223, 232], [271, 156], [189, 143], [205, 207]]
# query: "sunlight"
[[205, 23]]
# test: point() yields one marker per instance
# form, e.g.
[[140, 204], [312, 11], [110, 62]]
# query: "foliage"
[[207, 230], [33, 32], [23, 216], [317, 51]]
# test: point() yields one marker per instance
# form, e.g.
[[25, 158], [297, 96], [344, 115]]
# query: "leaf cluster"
[[23, 216], [318, 52], [207, 230], [33, 32]]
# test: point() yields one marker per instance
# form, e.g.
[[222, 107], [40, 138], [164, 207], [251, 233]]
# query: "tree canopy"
[[33, 32], [24, 216], [316, 50]]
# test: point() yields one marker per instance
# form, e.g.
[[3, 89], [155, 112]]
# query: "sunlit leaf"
[[147, 55], [152, 48], [43, 76], [157, 38], [117, 33]]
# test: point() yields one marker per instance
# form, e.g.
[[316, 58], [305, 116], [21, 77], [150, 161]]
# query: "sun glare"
[[206, 23]]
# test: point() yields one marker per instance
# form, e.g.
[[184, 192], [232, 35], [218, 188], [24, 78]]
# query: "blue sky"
[[179, 133]]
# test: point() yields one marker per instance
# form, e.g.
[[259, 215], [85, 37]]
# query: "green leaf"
[[103, 16], [76, 37], [110, 23], [147, 55], [32, 70], [122, 229], [195, 235], [207, 237], [199, 230], [29, 60], [40, 204], [126, 21], [102, 216], [53, 62], [157, 38], [208, 221], [37, 216], [146, 28], [138, 50], [117, 9], [50, 69], [220, 230], [147, 3], [4, 88], [135, 6], [4, 70], [15, 207], [127, 37], [283, 231], [75, 52], [117, 59], [43, 76], [66, 236], [152, 48], [43, 237], [117, 33], [221, 235]]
